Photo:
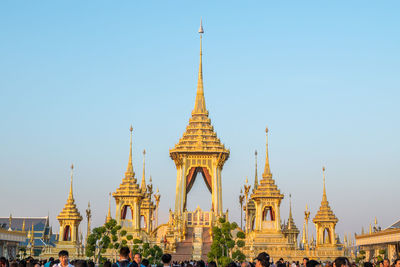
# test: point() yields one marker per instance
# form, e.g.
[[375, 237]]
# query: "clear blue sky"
[[324, 76]]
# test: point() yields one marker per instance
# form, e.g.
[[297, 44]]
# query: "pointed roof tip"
[[71, 196], [267, 169], [201, 31]]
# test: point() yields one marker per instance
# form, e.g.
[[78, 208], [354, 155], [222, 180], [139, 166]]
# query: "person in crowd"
[[145, 263], [48, 263], [262, 260], [3, 262], [244, 264], [123, 258], [137, 259], [63, 258], [313, 263], [386, 263], [305, 260], [396, 263], [341, 262], [212, 264], [106, 264], [166, 259], [80, 263]]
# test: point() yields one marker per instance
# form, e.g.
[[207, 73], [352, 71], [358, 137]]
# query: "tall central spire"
[[200, 104], [267, 170]]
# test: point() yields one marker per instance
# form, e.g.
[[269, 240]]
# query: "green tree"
[[225, 248], [152, 253], [108, 236]]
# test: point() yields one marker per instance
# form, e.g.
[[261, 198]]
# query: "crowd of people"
[[127, 259]]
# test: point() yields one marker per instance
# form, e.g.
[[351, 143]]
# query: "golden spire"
[[109, 208], [255, 175], [267, 170], [200, 104], [324, 198], [325, 212], [71, 196], [70, 212], [9, 222], [23, 226], [143, 184], [129, 170]]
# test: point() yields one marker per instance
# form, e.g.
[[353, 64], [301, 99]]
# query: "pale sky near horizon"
[[324, 77]]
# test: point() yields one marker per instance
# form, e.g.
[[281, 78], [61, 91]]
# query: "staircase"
[[184, 249], [197, 243]]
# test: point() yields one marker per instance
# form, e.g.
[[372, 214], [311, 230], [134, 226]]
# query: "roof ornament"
[[200, 104], [267, 170], [255, 175], [143, 184], [129, 170], [71, 196], [201, 27]]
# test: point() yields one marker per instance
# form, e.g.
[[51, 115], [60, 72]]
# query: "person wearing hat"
[[262, 260]]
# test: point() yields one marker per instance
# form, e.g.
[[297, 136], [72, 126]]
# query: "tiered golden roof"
[[128, 187], [199, 135], [267, 186], [70, 211], [325, 213]]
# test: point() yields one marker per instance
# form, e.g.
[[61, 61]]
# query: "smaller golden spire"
[[143, 185], [370, 228], [109, 208], [9, 222], [376, 222], [324, 198], [71, 196], [23, 226], [129, 170], [255, 174], [246, 181], [267, 170]]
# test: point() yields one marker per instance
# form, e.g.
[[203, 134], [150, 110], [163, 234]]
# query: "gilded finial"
[[143, 184], [255, 174], [200, 104], [71, 196], [109, 208], [324, 190], [9, 222], [129, 170], [150, 180], [201, 31], [267, 170], [23, 226], [246, 181]]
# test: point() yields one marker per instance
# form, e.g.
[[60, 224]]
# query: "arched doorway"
[[67, 233], [126, 213], [326, 236], [268, 214], [198, 192]]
